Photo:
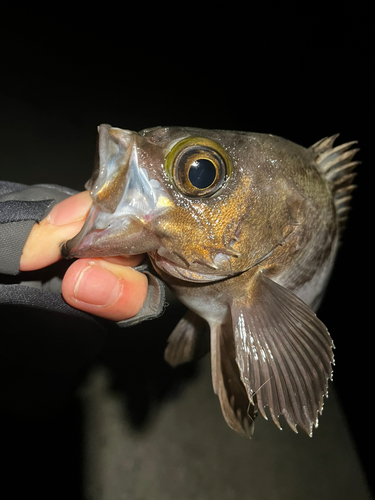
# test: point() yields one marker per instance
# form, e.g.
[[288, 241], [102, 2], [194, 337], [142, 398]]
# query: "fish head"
[[204, 204]]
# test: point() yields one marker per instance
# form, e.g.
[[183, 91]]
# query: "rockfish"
[[244, 228]]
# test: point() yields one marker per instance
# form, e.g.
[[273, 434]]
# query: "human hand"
[[106, 287]]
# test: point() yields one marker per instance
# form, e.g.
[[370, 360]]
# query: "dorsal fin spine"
[[336, 165]]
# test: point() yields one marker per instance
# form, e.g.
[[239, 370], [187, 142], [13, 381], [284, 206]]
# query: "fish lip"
[[98, 238], [75, 246], [112, 159]]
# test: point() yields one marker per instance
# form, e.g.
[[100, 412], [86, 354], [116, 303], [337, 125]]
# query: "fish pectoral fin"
[[237, 410], [189, 340], [284, 353]]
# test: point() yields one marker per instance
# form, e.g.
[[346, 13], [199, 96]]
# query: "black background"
[[289, 73]]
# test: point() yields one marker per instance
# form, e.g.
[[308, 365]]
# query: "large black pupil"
[[202, 173]]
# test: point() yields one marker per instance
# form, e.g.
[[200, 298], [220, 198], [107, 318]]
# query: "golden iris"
[[198, 166]]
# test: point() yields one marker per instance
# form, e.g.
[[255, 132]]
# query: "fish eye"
[[198, 166]]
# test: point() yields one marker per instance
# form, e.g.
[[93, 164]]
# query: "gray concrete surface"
[[188, 452]]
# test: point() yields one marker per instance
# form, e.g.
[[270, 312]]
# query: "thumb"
[[65, 220]]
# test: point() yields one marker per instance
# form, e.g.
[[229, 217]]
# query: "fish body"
[[244, 228]]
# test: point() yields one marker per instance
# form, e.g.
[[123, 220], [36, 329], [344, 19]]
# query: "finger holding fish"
[[108, 287]]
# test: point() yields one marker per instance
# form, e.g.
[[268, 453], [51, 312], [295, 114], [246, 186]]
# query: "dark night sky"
[[302, 82]]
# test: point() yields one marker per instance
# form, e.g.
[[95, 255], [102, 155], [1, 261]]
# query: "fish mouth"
[[125, 200]]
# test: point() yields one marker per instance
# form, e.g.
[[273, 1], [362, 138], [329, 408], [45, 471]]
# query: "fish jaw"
[[168, 263], [126, 200]]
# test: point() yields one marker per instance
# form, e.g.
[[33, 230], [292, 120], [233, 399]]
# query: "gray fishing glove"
[[20, 207]]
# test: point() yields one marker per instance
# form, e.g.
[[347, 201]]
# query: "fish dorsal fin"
[[336, 164], [237, 410], [189, 340], [284, 353]]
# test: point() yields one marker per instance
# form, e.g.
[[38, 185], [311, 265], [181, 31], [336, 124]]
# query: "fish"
[[244, 229]]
